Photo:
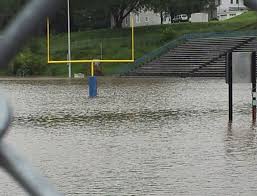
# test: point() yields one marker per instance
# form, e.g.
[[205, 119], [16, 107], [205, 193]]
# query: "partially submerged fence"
[[13, 38]]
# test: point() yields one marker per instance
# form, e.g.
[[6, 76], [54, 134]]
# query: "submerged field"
[[132, 141], [116, 44]]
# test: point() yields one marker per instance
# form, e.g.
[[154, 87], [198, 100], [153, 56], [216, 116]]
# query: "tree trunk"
[[118, 25], [161, 17], [118, 21], [117, 18]]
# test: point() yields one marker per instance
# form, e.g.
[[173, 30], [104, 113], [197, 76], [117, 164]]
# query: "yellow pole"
[[133, 38], [90, 61], [92, 69], [48, 40]]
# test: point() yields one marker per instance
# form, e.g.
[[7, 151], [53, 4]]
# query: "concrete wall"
[[199, 17], [146, 18], [143, 18], [229, 9], [226, 4]]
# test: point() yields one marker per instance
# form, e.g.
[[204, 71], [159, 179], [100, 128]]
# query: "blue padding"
[[92, 82]]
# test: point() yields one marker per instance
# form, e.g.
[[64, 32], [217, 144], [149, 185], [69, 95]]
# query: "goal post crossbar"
[[132, 60]]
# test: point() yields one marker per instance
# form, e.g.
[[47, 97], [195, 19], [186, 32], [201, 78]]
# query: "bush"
[[26, 63], [168, 34]]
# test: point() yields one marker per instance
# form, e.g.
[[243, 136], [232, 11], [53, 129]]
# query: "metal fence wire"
[[22, 28]]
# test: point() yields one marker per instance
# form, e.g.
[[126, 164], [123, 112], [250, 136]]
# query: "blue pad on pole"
[[92, 83]]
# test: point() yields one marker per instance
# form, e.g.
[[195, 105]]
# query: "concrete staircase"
[[197, 58]]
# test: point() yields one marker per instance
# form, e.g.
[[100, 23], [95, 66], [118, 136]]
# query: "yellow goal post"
[[92, 61]]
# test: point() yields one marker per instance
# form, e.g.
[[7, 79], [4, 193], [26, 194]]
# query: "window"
[[146, 19], [237, 1], [126, 21], [137, 19], [231, 1]]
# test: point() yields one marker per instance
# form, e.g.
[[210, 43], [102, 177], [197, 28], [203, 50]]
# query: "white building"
[[223, 9], [230, 8], [143, 18]]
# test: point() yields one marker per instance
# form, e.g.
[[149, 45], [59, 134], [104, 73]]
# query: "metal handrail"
[[12, 39]]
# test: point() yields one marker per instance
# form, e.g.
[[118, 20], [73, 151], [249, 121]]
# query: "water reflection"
[[241, 141], [241, 156]]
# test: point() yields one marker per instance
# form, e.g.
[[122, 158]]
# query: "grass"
[[117, 43], [246, 17]]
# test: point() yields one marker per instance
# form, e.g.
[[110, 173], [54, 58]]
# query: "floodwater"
[[161, 136]]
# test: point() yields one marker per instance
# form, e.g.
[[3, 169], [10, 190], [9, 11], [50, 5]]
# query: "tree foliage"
[[175, 7], [97, 13]]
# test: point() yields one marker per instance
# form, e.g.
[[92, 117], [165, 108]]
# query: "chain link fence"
[[13, 38]]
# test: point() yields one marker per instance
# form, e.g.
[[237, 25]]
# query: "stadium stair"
[[203, 57]]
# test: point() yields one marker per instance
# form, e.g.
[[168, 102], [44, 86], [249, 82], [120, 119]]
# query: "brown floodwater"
[[159, 136]]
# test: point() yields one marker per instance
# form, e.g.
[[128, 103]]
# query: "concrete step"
[[199, 57]]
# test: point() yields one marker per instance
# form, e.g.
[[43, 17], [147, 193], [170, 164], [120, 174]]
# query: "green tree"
[[118, 9], [175, 7], [158, 6]]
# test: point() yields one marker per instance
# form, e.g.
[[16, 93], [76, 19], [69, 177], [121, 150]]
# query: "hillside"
[[116, 44]]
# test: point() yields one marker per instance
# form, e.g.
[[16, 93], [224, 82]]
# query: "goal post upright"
[[92, 79], [132, 60]]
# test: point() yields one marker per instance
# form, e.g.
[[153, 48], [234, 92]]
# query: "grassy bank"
[[116, 44]]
